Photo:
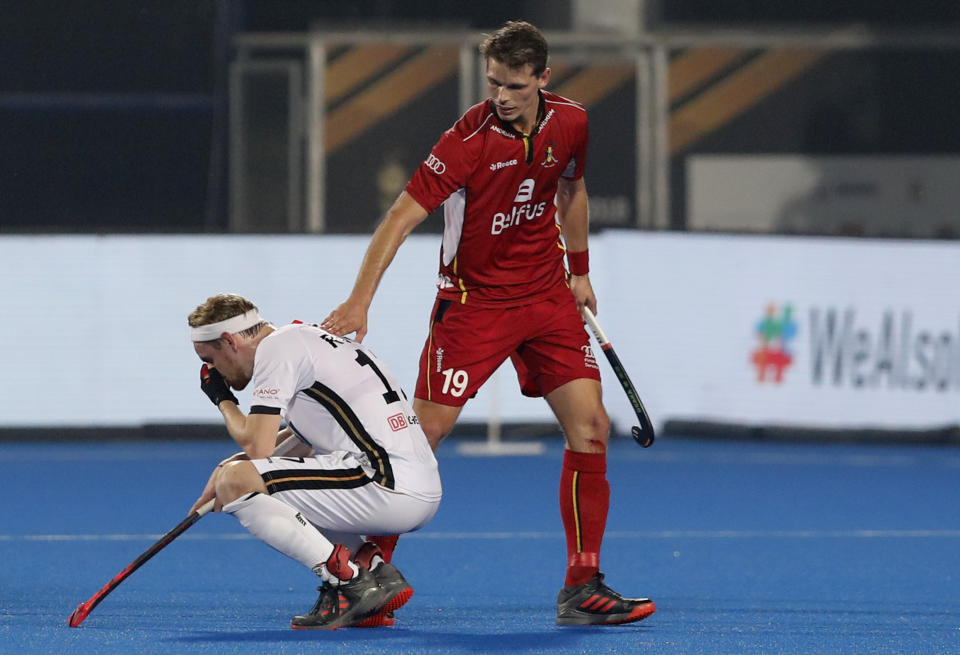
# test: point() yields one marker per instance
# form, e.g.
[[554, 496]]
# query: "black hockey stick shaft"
[[643, 434]]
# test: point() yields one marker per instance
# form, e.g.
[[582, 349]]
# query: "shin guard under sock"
[[281, 527], [584, 503]]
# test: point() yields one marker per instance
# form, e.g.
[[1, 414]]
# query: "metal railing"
[[650, 154]]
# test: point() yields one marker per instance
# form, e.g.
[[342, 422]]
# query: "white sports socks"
[[281, 527]]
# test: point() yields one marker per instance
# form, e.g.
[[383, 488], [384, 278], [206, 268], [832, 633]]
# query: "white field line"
[[613, 534], [823, 459]]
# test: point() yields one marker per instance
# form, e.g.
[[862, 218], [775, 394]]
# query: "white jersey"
[[337, 396]]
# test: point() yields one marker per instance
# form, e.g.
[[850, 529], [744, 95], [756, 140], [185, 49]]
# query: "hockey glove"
[[213, 384]]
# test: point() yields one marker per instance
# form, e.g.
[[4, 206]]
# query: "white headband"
[[231, 325]]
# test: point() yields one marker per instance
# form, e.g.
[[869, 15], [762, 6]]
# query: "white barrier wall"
[[806, 332], [754, 330]]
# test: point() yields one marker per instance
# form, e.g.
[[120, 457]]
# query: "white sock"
[[281, 527]]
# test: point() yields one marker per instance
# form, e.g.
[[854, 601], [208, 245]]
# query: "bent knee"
[[237, 479]]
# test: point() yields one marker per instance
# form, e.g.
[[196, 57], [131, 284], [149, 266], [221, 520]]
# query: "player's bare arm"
[[256, 434], [299, 450], [351, 315], [573, 213], [209, 491]]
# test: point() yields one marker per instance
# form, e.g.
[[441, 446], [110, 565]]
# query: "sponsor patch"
[[397, 422]]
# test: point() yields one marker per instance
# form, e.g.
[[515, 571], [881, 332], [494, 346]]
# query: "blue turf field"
[[745, 547]]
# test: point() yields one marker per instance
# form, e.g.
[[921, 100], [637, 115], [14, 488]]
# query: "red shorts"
[[546, 341]]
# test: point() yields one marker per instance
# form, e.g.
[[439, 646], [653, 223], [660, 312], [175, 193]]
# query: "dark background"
[[113, 114]]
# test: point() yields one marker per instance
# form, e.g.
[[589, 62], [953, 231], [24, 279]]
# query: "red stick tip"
[[78, 615]]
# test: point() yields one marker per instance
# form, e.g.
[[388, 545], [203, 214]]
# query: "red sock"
[[584, 502], [386, 545]]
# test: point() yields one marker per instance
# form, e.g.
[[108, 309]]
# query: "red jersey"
[[501, 242]]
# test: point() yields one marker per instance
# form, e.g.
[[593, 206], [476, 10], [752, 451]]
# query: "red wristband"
[[579, 262]]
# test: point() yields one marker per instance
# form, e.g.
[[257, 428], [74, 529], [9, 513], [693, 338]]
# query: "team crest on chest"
[[549, 160]]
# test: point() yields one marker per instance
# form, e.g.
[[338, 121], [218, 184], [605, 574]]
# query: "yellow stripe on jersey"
[[463, 288]]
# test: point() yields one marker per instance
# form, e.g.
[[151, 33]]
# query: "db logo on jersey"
[[435, 165], [397, 422]]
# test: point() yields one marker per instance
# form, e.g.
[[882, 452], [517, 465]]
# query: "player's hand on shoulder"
[[349, 317]]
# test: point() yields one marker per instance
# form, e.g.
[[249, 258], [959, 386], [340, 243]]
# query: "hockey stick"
[[643, 434], [83, 609]]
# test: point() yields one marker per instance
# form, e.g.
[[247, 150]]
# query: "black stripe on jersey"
[[442, 308], [263, 409], [292, 479], [351, 424]]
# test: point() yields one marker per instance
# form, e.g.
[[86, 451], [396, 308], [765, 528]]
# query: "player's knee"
[[436, 421], [599, 431], [236, 479], [591, 434], [435, 428]]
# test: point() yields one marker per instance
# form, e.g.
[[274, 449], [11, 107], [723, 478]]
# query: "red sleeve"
[[578, 161], [446, 169]]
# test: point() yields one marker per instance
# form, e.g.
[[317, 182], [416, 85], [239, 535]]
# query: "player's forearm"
[[573, 212], [255, 440], [380, 253], [283, 434], [236, 422], [296, 449], [386, 241]]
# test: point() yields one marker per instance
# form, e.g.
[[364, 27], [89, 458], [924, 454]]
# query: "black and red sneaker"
[[344, 605], [594, 603], [398, 590]]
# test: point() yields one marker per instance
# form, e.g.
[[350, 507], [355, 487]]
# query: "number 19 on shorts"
[[454, 382]]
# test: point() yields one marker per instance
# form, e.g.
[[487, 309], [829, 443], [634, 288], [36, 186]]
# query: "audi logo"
[[435, 165]]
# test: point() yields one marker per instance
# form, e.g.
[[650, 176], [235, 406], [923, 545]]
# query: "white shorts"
[[335, 494]]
